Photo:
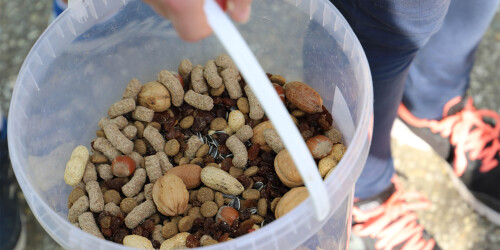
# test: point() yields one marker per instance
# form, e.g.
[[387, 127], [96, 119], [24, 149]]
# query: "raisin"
[[161, 117], [245, 181], [198, 224], [201, 120], [173, 133], [219, 111], [119, 235], [244, 214], [226, 164], [192, 242], [107, 232], [243, 229], [253, 123], [115, 183], [228, 102], [156, 244], [258, 179], [248, 204], [116, 222], [196, 203], [223, 138], [253, 152], [207, 159], [255, 162], [223, 150], [268, 157], [186, 109], [224, 237], [223, 226], [198, 234], [150, 150], [217, 100], [149, 226], [217, 234], [137, 230]]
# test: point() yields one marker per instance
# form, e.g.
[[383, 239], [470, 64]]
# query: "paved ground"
[[450, 220]]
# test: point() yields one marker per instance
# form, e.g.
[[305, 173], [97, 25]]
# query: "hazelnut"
[[319, 146], [123, 166], [227, 214]]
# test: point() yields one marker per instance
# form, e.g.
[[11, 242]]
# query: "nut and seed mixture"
[[191, 159]]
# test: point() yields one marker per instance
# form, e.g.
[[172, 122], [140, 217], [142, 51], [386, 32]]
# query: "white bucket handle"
[[255, 77]]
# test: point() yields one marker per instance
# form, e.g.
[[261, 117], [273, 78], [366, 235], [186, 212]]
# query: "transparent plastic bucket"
[[83, 61]]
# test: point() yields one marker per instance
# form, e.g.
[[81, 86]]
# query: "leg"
[[441, 69], [391, 32]]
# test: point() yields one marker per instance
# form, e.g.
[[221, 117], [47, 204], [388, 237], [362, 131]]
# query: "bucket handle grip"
[[275, 110]]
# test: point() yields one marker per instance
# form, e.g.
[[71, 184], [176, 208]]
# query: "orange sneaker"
[[388, 221], [469, 139]]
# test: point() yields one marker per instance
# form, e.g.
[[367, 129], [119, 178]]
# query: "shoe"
[[388, 221], [12, 235], [469, 139]]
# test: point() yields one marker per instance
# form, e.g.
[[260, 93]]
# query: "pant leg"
[[391, 33], [442, 68]]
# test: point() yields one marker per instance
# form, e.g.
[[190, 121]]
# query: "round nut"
[[227, 214], [123, 166], [154, 96], [140, 146], [219, 199], [172, 147], [320, 146], [208, 209], [286, 170], [236, 120], [258, 135], [235, 172], [155, 125], [170, 195], [112, 196]]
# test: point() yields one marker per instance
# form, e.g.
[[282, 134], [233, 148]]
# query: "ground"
[[452, 222]]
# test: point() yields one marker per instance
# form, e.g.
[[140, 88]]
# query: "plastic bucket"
[[83, 61]]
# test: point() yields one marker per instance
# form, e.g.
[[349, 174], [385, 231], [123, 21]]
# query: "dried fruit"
[[304, 97], [170, 195], [123, 166], [290, 200], [286, 170], [154, 96]]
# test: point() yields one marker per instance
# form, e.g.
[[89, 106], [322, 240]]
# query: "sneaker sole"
[[401, 130]]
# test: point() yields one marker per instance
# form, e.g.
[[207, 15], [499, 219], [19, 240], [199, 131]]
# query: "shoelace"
[[394, 222], [468, 132]]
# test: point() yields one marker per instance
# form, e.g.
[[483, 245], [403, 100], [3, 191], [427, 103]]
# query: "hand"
[[189, 19]]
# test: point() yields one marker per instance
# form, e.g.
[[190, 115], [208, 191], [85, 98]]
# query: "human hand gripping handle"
[[189, 19]]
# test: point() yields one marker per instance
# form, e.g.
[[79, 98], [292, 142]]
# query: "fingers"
[[189, 19], [239, 10]]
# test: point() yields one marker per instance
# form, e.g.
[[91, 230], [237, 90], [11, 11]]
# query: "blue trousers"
[[420, 52]]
